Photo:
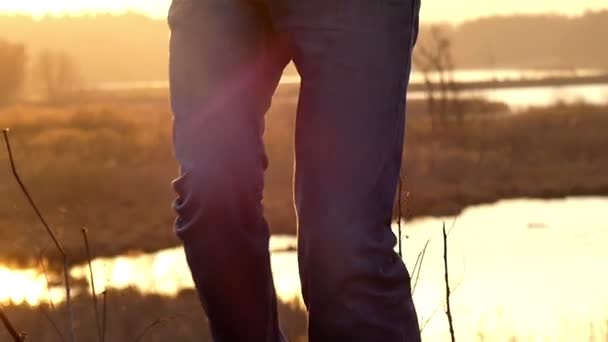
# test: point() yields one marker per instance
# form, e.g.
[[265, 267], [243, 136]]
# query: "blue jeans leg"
[[354, 58], [224, 67]]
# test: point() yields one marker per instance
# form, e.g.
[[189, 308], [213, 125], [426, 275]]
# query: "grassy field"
[[133, 317], [108, 167], [129, 315]]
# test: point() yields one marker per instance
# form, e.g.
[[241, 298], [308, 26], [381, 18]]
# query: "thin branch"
[[453, 225], [48, 315], [52, 322], [50, 233], [104, 315], [68, 299], [46, 278], [418, 269], [27, 194], [95, 305], [428, 320], [155, 323], [447, 283], [416, 263], [420, 257], [9, 326]]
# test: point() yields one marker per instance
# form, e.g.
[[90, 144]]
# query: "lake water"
[[533, 269], [516, 98]]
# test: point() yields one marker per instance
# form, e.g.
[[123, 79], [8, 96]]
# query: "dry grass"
[[130, 314], [108, 167], [539, 153]]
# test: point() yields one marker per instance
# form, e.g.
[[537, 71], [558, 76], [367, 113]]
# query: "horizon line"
[[139, 13]]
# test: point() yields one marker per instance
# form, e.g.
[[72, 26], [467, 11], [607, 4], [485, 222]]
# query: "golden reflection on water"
[[527, 268], [26, 286], [164, 273]]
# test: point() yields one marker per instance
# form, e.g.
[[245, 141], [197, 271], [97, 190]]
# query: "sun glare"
[[432, 10], [37, 8], [26, 286]]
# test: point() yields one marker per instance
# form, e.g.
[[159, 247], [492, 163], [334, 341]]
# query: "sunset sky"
[[433, 10]]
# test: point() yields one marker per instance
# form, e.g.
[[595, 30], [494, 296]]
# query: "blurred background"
[[507, 140]]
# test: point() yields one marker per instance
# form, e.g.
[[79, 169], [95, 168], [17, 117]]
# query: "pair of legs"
[[226, 59]]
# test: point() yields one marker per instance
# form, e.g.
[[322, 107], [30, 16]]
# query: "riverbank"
[[554, 81], [544, 153], [498, 293], [108, 166]]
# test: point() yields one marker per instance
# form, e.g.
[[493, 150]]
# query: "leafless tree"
[[58, 76], [433, 57], [12, 70]]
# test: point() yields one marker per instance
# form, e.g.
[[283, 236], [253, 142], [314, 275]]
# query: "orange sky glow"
[[433, 10]]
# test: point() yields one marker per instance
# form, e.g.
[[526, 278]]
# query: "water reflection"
[[166, 272], [516, 98], [26, 286], [479, 75], [525, 97], [526, 268], [547, 283], [460, 75], [519, 97]]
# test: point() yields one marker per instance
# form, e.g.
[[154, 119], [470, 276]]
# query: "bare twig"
[[104, 315], [46, 278], [95, 305], [428, 320], [452, 291], [420, 259], [50, 233], [418, 266], [155, 323], [27, 194], [414, 270], [448, 310], [453, 225], [52, 322], [46, 314], [9, 326]]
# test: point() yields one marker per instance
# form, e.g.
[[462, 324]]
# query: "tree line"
[[52, 75], [514, 41]]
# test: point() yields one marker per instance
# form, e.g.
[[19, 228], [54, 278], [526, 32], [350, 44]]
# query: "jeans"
[[354, 59]]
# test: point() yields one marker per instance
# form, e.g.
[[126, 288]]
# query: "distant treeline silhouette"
[[133, 47], [52, 75], [533, 41], [12, 70]]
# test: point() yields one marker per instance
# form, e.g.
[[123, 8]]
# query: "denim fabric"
[[354, 57]]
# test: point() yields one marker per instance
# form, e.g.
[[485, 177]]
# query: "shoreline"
[[108, 167], [291, 84], [446, 210]]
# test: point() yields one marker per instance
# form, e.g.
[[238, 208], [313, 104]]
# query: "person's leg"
[[222, 76], [354, 58]]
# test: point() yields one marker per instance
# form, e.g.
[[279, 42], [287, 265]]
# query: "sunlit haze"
[[433, 10], [500, 190]]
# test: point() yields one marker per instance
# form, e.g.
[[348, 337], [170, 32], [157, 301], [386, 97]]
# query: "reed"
[[64, 256]]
